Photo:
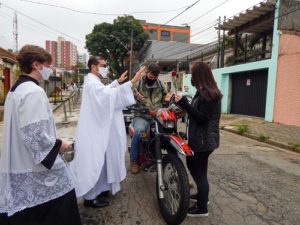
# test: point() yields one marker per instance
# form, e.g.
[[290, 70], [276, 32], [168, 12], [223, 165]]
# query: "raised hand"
[[138, 75], [123, 77]]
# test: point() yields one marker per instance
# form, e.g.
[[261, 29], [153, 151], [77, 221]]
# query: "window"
[[165, 35]]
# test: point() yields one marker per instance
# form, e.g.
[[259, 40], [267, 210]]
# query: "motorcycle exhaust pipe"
[[159, 167]]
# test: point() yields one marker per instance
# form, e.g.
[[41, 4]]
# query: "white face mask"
[[103, 71], [45, 73]]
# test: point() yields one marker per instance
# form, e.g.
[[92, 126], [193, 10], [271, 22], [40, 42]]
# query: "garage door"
[[249, 92]]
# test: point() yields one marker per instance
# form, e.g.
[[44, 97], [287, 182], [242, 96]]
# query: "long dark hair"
[[204, 82]]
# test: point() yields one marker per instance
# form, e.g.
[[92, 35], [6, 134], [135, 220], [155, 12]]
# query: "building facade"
[[64, 53], [161, 32], [260, 74], [8, 72]]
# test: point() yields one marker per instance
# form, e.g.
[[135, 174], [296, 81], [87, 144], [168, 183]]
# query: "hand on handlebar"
[[178, 97], [169, 96]]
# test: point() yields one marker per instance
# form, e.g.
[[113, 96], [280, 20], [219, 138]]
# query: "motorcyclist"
[[151, 94]]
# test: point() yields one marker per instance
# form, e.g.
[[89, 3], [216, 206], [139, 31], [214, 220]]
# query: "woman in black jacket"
[[203, 131]]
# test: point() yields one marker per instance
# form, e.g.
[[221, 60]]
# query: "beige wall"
[[287, 94]]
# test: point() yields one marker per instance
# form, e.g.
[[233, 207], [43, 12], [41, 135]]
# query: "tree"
[[103, 41]]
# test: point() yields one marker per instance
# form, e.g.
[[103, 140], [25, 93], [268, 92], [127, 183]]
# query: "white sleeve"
[[114, 84], [35, 125], [125, 96]]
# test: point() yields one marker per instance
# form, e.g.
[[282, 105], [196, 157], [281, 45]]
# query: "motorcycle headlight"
[[169, 124]]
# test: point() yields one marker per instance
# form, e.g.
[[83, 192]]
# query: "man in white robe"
[[99, 162], [35, 185]]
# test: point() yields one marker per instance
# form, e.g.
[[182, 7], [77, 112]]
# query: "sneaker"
[[193, 198], [194, 211], [134, 168]]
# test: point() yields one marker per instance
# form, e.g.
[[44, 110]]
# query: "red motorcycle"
[[159, 150]]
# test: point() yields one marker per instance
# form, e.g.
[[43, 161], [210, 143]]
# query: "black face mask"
[[192, 82], [150, 82]]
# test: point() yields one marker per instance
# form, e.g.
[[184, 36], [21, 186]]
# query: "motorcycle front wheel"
[[174, 206]]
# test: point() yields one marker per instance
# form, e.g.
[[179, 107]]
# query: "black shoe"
[[194, 211], [96, 203], [103, 194], [193, 198]]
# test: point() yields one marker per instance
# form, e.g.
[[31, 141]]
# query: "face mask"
[[45, 73], [103, 71], [150, 82], [192, 82]]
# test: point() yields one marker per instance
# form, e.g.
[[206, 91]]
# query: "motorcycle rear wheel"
[[174, 206]]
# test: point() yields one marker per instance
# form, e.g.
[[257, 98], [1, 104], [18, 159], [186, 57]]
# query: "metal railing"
[[71, 102]]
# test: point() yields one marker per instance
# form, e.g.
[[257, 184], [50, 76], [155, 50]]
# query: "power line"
[[182, 12], [30, 26], [209, 11], [183, 57], [213, 23], [58, 31], [212, 32], [103, 14], [210, 46], [176, 43]]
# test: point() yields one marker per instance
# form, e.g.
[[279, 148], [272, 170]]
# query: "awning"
[[256, 19]]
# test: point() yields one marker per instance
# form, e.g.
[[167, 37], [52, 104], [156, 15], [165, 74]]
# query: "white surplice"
[[29, 136], [101, 135]]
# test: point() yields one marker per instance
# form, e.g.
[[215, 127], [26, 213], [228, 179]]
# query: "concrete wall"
[[289, 15], [287, 97]]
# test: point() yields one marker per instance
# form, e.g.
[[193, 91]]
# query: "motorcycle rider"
[[151, 94]]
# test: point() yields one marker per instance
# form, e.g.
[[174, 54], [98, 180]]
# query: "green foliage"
[[243, 128], [101, 41], [295, 146], [264, 138]]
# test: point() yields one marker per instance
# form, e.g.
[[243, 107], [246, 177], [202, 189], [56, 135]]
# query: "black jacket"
[[204, 119]]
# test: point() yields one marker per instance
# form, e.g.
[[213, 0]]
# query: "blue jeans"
[[140, 125]]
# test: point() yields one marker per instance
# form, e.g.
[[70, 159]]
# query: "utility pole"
[[219, 41], [223, 46], [131, 49], [15, 31]]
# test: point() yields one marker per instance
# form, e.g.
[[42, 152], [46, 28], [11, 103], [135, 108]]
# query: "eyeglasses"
[[104, 66]]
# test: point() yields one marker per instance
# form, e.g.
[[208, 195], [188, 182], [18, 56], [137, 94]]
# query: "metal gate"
[[249, 93]]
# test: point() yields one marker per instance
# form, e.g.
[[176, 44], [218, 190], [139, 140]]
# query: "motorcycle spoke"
[[171, 185]]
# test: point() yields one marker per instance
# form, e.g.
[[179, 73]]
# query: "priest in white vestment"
[[100, 142]]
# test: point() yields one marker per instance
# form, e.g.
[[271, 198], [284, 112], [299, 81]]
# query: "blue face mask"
[[45, 73]]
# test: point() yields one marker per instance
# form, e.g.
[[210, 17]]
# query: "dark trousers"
[[197, 166]]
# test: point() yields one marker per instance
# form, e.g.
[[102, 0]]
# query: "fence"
[[69, 102]]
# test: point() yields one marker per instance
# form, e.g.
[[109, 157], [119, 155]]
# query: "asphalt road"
[[250, 183]]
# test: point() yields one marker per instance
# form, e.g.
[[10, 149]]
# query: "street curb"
[[270, 142]]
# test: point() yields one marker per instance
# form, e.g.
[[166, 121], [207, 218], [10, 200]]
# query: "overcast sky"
[[77, 25]]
